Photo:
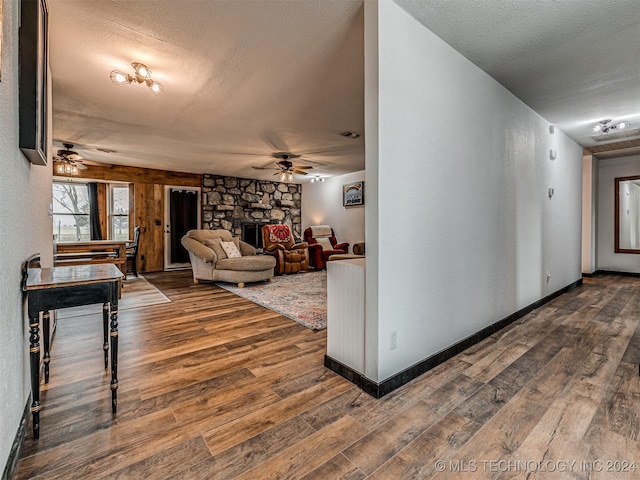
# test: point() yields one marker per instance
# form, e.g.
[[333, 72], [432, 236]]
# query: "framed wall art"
[[33, 81], [353, 194]]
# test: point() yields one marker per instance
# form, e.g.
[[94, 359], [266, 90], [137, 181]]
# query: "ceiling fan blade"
[[80, 166], [304, 167], [265, 165], [300, 172], [305, 159], [95, 164], [274, 140]]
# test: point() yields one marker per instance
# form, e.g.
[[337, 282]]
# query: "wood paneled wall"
[[147, 209]]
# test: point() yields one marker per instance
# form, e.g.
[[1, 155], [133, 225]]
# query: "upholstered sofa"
[[209, 261]]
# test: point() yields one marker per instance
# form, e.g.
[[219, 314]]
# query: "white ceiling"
[[246, 78], [575, 62]]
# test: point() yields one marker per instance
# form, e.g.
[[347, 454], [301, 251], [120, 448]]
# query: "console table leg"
[[46, 327], [114, 357], [105, 331], [34, 356]]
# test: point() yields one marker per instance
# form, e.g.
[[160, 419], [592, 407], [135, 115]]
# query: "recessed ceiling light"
[[350, 134]]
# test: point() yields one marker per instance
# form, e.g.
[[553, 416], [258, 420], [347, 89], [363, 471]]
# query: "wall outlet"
[[393, 340]]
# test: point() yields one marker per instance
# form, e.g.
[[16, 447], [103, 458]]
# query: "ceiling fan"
[[67, 161], [285, 166]]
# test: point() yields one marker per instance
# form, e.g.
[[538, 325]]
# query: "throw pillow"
[[215, 245], [326, 244], [279, 234], [230, 249]]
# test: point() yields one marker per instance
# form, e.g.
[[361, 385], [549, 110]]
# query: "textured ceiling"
[[246, 78], [575, 62], [242, 80]]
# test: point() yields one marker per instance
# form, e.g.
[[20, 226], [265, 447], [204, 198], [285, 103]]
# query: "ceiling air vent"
[[632, 132]]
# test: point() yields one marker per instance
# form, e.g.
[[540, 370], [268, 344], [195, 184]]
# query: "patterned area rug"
[[301, 297]]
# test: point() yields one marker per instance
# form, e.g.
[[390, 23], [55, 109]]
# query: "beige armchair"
[[209, 261]]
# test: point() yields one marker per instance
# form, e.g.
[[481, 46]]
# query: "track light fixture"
[[604, 127], [141, 75]]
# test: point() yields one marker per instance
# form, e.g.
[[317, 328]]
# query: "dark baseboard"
[[378, 390], [611, 272], [14, 454]]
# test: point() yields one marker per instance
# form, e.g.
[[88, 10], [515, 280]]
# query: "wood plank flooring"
[[213, 386]]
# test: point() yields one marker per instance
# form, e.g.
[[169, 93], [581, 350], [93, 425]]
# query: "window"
[[119, 212], [71, 212]]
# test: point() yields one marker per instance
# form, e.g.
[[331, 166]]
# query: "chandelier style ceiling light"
[[317, 178], [142, 75], [604, 127]]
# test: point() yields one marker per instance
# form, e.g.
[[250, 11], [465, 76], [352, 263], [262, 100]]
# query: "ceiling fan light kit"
[[65, 161], [142, 75], [66, 167]]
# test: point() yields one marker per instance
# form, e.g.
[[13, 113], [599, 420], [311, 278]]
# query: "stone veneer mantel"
[[228, 202]]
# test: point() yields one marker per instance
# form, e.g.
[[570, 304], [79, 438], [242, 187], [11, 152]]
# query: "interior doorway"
[[181, 214]]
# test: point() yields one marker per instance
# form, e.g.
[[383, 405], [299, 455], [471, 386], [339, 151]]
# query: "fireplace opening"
[[252, 233]]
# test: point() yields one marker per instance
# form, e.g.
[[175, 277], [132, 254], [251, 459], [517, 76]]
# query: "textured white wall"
[[322, 205], [466, 230], [589, 202], [608, 170], [25, 193]]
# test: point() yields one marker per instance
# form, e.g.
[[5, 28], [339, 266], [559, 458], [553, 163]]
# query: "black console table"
[[62, 287]]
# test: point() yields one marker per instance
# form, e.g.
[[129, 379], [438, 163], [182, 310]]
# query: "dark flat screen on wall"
[[33, 80]]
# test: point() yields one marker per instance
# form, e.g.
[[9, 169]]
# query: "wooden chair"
[[132, 252]]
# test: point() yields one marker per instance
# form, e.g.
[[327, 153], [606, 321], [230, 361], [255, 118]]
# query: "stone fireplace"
[[243, 206]]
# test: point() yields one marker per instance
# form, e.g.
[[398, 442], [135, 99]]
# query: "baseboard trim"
[[611, 272], [14, 454], [379, 390]]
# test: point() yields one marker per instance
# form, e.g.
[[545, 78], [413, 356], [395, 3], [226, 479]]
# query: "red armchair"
[[322, 244], [291, 257]]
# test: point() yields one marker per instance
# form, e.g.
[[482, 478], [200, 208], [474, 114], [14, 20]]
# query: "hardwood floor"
[[213, 386]]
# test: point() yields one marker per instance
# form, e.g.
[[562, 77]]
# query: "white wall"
[[322, 205], [471, 194], [608, 170], [589, 207], [25, 193]]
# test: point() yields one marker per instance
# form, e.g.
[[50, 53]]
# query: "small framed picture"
[[353, 194]]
